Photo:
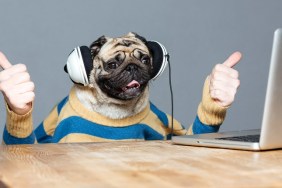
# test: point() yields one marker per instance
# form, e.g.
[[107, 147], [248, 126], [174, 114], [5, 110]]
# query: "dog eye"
[[112, 65], [145, 59]]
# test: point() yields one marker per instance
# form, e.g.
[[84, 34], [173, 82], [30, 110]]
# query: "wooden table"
[[136, 164]]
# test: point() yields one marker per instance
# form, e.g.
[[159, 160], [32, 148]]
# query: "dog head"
[[122, 66]]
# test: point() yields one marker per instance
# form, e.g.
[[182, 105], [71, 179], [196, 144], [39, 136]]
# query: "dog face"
[[122, 66]]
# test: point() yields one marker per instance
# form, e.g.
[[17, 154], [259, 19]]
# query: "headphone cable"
[[171, 93]]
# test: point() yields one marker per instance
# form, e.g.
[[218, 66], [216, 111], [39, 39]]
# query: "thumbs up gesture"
[[224, 81], [16, 86]]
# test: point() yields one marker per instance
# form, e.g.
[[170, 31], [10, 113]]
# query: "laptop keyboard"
[[247, 138]]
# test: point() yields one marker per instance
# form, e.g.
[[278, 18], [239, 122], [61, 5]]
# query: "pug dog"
[[114, 105]]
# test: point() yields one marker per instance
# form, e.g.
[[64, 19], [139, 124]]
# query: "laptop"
[[270, 134]]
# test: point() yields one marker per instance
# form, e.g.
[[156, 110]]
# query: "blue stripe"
[[77, 124], [62, 104], [161, 115], [199, 127], [9, 139], [41, 135]]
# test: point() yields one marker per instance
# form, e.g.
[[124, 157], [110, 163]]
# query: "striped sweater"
[[70, 121]]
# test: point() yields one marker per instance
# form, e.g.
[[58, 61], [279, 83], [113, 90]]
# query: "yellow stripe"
[[19, 126], [50, 123], [190, 130], [177, 127], [176, 124], [80, 137]]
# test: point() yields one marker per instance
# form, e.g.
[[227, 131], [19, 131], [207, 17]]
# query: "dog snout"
[[131, 67]]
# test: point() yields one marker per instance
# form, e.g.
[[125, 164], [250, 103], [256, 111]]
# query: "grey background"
[[197, 33]]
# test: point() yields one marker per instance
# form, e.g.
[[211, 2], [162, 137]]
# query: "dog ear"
[[140, 37], [97, 45]]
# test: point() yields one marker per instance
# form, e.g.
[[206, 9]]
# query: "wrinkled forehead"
[[126, 44]]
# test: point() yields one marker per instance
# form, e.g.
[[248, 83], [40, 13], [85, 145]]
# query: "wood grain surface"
[[136, 164]]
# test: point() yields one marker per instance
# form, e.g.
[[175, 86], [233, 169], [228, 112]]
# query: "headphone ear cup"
[[160, 56], [79, 65], [87, 60]]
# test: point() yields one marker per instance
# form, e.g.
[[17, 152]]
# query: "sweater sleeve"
[[210, 115], [19, 128]]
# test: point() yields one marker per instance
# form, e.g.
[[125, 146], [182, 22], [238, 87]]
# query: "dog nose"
[[131, 67]]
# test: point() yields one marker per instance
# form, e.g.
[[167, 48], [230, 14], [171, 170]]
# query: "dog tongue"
[[132, 84]]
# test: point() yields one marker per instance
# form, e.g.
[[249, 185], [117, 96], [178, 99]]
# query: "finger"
[[220, 70], [20, 100], [23, 88], [225, 77], [233, 59], [27, 97], [231, 86], [4, 63], [15, 69], [19, 78]]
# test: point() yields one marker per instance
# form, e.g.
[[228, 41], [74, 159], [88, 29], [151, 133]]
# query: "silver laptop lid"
[[271, 133]]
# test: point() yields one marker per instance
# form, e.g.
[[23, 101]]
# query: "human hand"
[[224, 81], [16, 86]]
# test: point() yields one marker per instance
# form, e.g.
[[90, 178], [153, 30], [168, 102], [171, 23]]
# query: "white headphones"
[[80, 62]]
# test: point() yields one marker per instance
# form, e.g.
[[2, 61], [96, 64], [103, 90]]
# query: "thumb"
[[233, 59], [4, 63]]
